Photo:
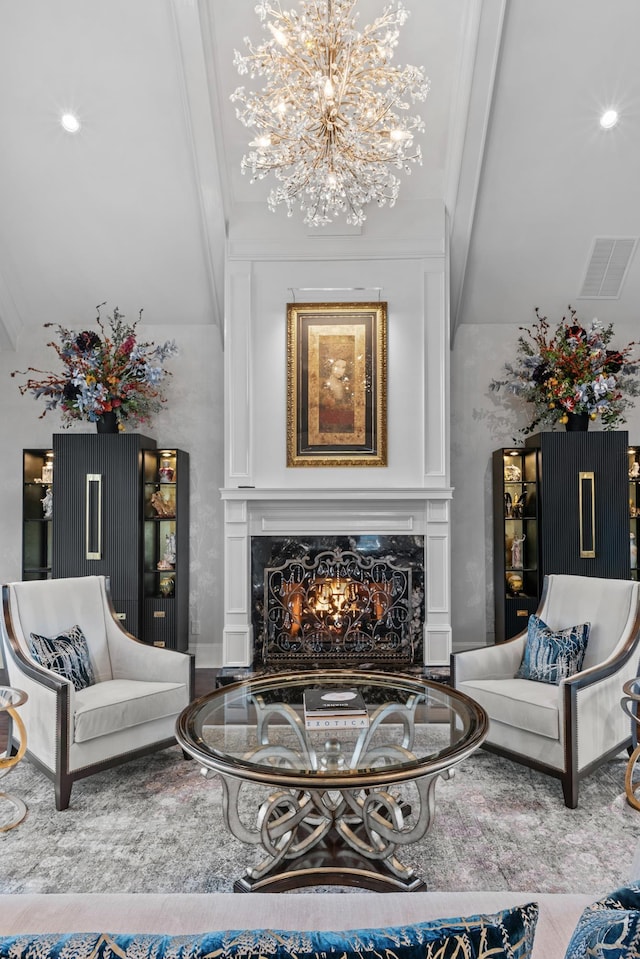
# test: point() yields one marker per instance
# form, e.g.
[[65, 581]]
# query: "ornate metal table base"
[[8, 761], [345, 837]]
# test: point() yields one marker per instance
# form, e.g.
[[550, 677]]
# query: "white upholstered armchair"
[[131, 707], [564, 730]]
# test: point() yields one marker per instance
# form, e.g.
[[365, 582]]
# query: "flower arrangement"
[[105, 372], [572, 370]]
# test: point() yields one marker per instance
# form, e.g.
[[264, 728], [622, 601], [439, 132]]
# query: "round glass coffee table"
[[10, 699], [343, 796]]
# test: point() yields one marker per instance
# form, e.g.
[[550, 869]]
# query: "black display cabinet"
[[114, 505], [571, 515]]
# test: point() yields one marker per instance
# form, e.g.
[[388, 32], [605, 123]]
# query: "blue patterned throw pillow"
[[609, 928], [551, 655], [503, 935], [66, 654]]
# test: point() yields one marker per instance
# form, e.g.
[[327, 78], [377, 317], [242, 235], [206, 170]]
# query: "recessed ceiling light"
[[609, 119], [70, 122]]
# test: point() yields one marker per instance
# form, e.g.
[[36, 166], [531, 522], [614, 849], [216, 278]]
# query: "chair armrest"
[[608, 668], [133, 659], [489, 662], [49, 695], [595, 711]]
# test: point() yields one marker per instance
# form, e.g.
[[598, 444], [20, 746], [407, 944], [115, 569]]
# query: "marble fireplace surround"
[[287, 513]]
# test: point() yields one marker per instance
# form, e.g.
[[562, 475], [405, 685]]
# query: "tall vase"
[[107, 423], [577, 423]]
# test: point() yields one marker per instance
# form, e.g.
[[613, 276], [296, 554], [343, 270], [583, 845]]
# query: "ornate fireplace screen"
[[339, 607]]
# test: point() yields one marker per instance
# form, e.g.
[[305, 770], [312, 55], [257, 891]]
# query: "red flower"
[[127, 345]]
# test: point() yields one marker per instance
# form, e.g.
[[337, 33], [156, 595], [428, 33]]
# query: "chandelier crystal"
[[329, 121]]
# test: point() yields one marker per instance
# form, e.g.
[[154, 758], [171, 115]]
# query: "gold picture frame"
[[337, 384]]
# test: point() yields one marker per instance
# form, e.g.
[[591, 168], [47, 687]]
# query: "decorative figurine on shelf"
[[516, 551], [168, 560], [163, 506], [166, 470], [634, 471], [633, 551], [512, 473], [167, 585], [508, 504], [170, 548], [514, 583], [47, 472], [47, 504]]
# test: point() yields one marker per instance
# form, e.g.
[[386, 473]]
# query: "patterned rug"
[[155, 825]]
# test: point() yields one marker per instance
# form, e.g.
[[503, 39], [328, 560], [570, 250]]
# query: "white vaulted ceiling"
[[134, 208]]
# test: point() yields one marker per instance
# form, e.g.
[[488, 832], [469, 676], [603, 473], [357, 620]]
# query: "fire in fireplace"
[[341, 606]]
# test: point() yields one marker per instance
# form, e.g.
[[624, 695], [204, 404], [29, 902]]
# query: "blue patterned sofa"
[[182, 915]]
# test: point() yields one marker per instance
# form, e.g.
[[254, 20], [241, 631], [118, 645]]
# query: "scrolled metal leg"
[[632, 789], [383, 819], [7, 763]]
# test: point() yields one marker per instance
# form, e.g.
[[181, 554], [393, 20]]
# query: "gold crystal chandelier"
[[325, 121]]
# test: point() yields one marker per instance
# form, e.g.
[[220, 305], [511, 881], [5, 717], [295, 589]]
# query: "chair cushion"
[[519, 703], [121, 703], [551, 655], [66, 654], [505, 935], [609, 927]]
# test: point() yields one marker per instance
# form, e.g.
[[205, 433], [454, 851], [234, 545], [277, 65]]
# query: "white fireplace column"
[[296, 513]]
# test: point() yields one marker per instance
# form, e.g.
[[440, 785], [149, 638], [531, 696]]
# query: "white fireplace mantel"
[[411, 495], [295, 512]]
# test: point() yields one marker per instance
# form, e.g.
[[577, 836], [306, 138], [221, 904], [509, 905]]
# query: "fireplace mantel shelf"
[[353, 493]]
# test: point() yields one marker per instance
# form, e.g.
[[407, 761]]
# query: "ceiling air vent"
[[607, 267]]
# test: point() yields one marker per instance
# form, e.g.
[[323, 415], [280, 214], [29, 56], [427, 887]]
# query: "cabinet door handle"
[[587, 517], [93, 516]]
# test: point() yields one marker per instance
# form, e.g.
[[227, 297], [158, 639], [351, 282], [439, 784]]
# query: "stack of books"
[[337, 708]]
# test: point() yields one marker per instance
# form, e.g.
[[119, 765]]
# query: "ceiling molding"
[[190, 43], [477, 76], [460, 102]]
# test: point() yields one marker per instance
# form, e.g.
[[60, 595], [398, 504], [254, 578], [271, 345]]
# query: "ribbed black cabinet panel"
[[563, 456], [117, 459]]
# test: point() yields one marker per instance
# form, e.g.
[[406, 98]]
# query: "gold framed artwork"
[[336, 384]]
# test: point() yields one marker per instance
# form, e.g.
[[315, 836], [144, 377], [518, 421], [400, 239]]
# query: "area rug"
[[155, 825]]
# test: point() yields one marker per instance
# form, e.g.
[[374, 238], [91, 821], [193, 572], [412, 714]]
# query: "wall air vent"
[[607, 267]]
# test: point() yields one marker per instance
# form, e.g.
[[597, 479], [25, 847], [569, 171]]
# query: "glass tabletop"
[[256, 729], [11, 698]]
